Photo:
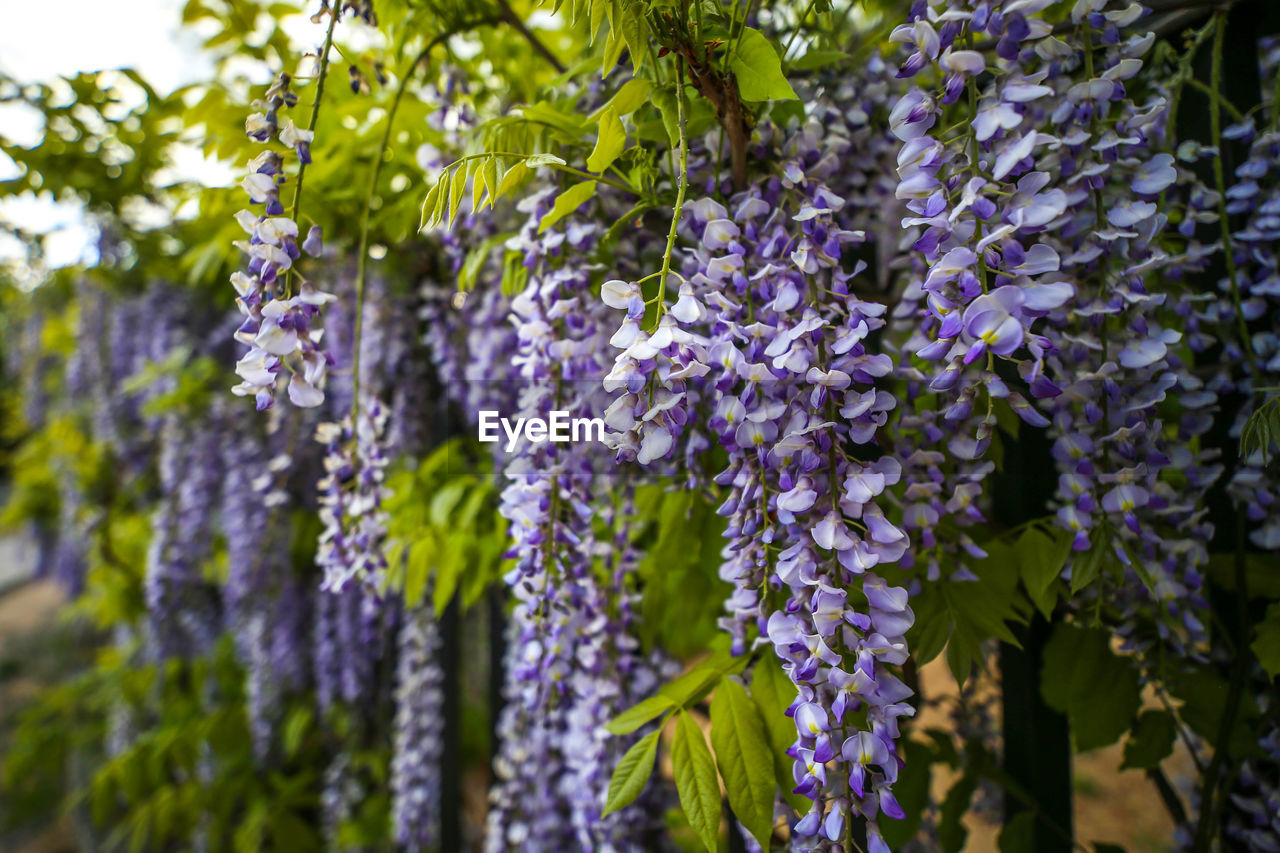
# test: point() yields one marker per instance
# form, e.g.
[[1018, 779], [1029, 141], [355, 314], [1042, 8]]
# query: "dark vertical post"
[[451, 757], [497, 618], [1037, 740]]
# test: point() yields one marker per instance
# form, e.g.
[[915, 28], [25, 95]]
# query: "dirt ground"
[[1120, 807], [23, 610], [1110, 805]]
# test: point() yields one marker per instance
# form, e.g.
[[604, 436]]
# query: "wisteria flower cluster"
[[278, 320]]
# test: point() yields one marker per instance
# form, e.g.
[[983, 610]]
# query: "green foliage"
[[773, 692], [1151, 740], [632, 773], [696, 782], [961, 616], [744, 758], [1018, 835], [676, 697], [1261, 431], [151, 794], [758, 70], [1266, 644], [1096, 688], [451, 490], [682, 592], [639, 714], [1041, 552], [567, 202], [610, 142], [1203, 692]]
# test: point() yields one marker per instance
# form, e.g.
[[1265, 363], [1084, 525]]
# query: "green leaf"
[[695, 774], [295, 728], [610, 142], [597, 17], [819, 59], [665, 100], [773, 693], [513, 178], [698, 682], [1203, 692], [1088, 566], [635, 31], [537, 160], [759, 71], [450, 563], [441, 201], [1019, 834], [567, 202], [476, 258], [951, 829], [489, 177], [1261, 430], [632, 773], [963, 616], [1041, 555], [417, 570], [613, 45], [1151, 740], [744, 757], [632, 96], [639, 714], [1267, 643], [1083, 678], [457, 187], [445, 500]]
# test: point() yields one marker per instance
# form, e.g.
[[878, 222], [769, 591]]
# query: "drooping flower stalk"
[[278, 323], [419, 733]]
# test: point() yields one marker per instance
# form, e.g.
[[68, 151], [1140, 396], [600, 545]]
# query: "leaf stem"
[[682, 184], [311, 127]]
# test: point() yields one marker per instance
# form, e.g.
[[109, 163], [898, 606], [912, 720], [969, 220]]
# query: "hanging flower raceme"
[[279, 326], [182, 609], [1114, 348], [979, 200], [351, 496], [419, 733], [1254, 200], [1006, 247], [266, 607], [565, 646], [765, 334]]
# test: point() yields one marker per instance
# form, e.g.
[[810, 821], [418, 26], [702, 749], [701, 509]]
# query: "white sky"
[[40, 41], [44, 39]]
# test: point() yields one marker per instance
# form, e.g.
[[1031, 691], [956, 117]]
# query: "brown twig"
[[721, 90], [514, 20]]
